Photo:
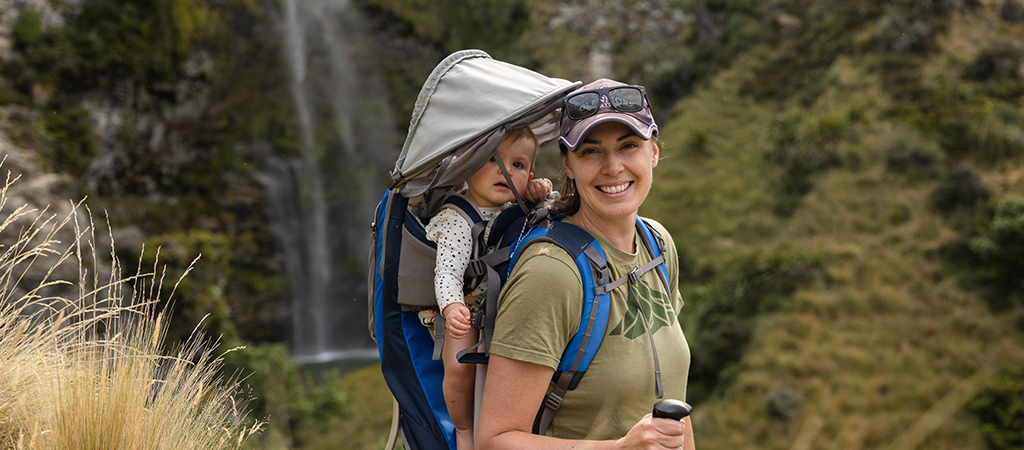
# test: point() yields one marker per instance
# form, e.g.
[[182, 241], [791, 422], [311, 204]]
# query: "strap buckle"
[[634, 275], [553, 401]]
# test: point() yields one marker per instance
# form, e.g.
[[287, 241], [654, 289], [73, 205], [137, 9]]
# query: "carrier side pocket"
[[416, 271]]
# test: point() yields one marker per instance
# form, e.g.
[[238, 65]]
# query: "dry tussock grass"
[[92, 371]]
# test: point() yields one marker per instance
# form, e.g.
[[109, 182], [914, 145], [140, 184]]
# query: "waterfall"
[[322, 204]]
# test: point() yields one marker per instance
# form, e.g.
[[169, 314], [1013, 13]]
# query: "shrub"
[[960, 188], [74, 145], [1012, 11], [783, 403], [904, 151], [999, 407], [696, 141], [803, 148], [1000, 60], [1002, 245], [27, 29], [900, 32], [305, 403]]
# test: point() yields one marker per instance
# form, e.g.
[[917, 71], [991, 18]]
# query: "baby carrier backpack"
[[461, 114]]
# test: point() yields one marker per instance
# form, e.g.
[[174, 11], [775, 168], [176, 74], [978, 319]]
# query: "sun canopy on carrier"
[[465, 107]]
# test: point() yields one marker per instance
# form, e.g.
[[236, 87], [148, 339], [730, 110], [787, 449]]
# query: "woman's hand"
[[654, 433], [456, 320], [537, 189]]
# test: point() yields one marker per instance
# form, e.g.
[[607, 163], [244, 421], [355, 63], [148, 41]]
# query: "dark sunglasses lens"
[[582, 105], [628, 99]]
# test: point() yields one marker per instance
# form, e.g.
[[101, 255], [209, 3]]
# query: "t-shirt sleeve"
[[540, 307]]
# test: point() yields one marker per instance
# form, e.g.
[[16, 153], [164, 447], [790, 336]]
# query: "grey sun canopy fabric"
[[461, 114]]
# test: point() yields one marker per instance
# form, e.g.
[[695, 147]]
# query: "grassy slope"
[[886, 346], [887, 332]]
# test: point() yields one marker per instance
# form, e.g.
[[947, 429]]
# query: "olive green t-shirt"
[[540, 311]]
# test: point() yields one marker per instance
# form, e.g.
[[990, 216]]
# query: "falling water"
[[321, 204]]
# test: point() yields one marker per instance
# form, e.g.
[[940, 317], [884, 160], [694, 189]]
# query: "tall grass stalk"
[[92, 371]]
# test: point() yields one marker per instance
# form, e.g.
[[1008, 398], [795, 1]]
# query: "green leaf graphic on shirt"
[[659, 315]]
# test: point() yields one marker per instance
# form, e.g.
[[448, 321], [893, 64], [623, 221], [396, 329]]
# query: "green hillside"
[[838, 292]]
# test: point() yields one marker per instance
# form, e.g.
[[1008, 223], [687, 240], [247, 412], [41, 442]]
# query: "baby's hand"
[[537, 189], [456, 320]]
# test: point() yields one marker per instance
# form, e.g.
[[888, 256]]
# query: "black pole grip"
[[672, 409]]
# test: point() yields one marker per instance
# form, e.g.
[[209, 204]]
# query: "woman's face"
[[613, 169]]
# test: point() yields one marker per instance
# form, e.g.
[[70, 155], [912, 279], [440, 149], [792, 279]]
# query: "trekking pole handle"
[[672, 409]]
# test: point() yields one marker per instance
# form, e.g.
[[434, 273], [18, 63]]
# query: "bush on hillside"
[[1012, 11], [905, 151], [725, 311], [999, 406], [783, 403], [803, 148], [1001, 247], [299, 404], [959, 189]]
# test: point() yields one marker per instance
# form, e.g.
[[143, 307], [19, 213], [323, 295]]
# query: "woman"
[[608, 155]]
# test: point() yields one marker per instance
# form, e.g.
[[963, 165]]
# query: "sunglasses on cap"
[[583, 104]]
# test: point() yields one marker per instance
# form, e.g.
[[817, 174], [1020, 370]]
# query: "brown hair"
[[516, 134]]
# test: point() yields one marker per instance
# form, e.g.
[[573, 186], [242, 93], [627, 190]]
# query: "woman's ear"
[[657, 153], [566, 169]]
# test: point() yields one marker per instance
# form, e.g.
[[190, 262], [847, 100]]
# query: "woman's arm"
[[513, 395]]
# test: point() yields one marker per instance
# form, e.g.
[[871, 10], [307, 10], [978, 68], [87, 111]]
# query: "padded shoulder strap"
[[593, 267]]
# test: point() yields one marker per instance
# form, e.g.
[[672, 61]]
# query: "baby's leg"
[[458, 387]]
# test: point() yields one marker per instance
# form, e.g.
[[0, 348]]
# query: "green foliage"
[[298, 404], [798, 66], [200, 296], [726, 308], [1000, 248], [997, 69], [959, 189], [696, 141], [27, 29], [74, 145], [803, 148], [1000, 408]]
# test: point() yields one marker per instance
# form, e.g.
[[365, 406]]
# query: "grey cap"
[[641, 122]]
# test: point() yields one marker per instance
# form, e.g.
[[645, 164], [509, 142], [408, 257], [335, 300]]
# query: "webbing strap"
[[634, 273], [659, 391], [489, 311], [439, 327], [511, 185], [552, 402]]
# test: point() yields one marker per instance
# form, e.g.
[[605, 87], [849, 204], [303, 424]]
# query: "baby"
[[488, 191]]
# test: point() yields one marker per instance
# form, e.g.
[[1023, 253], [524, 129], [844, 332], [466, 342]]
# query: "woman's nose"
[[612, 163]]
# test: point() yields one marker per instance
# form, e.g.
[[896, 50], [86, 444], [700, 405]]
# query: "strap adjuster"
[[634, 275], [553, 401]]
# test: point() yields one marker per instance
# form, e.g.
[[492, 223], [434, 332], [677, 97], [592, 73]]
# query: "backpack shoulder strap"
[[593, 267]]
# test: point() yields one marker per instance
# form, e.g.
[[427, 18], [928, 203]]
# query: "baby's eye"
[[518, 165]]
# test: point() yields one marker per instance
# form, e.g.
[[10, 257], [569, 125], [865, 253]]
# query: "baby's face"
[[488, 187]]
